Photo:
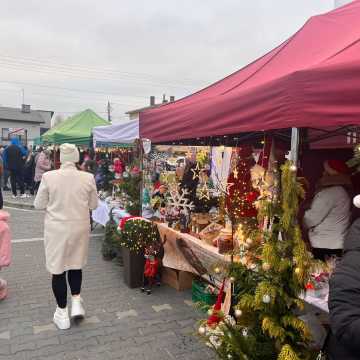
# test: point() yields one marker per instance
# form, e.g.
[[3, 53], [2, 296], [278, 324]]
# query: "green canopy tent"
[[75, 130]]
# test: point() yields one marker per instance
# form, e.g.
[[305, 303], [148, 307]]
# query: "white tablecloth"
[[101, 214]]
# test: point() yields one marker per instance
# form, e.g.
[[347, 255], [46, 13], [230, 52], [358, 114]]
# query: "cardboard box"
[[177, 279]]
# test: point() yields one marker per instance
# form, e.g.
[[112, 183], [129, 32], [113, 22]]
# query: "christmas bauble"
[[217, 270], [229, 356], [293, 168], [297, 271], [210, 312], [249, 241], [232, 279], [245, 332], [266, 299], [356, 201], [202, 330], [238, 313], [266, 266]]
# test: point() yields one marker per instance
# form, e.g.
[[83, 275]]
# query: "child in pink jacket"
[[5, 249]]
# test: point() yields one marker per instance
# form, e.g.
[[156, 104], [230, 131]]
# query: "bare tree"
[[57, 120]]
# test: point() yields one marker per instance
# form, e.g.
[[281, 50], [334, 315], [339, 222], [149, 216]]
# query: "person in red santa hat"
[[328, 218]]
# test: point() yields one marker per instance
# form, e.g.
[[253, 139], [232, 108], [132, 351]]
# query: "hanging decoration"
[[196, 171], [179, 201]]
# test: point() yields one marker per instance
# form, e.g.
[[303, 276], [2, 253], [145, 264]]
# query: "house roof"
[[142, 109], [15, 114]]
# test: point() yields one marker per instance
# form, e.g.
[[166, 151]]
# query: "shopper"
[[67, 195], [29, 171], [5, 249], [1, 178], [344, 299], [43, 164], [6, 175], [14, 156], [328, 219]]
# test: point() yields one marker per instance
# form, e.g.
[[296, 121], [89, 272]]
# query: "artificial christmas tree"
[[267, 295]]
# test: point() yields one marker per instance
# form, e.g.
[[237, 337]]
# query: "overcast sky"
[[71, 55]]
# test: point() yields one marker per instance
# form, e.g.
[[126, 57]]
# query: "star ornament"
[[236, 173], [228, 187], [204, 193], [196, 171]]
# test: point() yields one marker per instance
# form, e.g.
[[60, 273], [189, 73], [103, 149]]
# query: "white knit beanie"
[[69, 153]]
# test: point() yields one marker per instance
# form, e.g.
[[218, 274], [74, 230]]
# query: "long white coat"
[[67, 195]]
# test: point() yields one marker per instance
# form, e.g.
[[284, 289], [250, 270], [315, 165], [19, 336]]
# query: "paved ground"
[[26, 203], [122, 323]]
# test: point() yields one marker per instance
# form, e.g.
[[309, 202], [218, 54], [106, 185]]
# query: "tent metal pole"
[[295, 136]]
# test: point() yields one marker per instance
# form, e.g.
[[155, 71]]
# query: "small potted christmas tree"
[[134, 236]]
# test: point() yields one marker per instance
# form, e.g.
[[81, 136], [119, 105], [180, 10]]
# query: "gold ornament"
[[297, 271], [210, 312], [293, 168], [266, 299], [249, 241], [217, 270], [266, 266], [232, 279]]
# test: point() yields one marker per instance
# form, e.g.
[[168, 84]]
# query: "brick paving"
[[121, 323], [26, 203]]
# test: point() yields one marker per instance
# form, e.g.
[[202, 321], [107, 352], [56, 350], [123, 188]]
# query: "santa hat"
[[215, 318], [336, 167]]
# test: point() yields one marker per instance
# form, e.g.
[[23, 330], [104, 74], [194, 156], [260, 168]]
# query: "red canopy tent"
[[311, 80]]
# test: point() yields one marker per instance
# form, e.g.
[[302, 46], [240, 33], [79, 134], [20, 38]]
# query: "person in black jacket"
[[344, 301], [14, 156]]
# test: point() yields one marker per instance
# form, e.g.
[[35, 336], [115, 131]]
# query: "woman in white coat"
[[67, 195]]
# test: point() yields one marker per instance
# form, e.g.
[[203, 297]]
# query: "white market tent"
[[123, 133]]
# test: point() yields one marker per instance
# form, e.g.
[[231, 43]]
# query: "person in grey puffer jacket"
[[328, 218], [344, 301]]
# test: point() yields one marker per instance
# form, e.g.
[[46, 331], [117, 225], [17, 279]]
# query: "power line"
[[31, 93], [43, 69], [70, 89], [78, 67]]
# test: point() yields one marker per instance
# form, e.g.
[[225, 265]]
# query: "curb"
[[15, 205]]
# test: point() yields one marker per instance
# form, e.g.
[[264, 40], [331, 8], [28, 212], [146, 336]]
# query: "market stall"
[[304, 84], [118, 177], [74, 130]]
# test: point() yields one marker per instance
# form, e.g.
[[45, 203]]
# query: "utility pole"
[[109, 111], [23, 95]]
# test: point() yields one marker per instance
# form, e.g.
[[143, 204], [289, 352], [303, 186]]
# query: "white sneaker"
[[61, 318], [14, 197], [23, 196], [77, 308]]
